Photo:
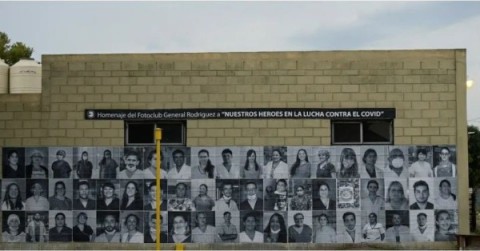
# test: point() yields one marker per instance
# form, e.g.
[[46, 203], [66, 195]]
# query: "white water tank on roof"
[[3, 77], [26, 77]]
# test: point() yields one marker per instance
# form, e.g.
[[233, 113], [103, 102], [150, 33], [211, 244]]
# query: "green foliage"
[[13, 53], [474, 156]]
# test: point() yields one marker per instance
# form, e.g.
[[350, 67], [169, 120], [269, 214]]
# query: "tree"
[[13, 53], [474, 156]]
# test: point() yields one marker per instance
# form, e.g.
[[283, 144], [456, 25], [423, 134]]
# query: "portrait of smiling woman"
[[132, 196]]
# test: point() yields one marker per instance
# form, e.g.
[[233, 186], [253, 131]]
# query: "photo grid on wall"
[[271, 194]]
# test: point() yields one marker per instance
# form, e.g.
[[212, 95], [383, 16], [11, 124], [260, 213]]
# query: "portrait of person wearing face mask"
[[252, 202], [396, 167], [132, 167], [108, 166], [180, 228], [226, 202], [424, 230], [301, 200], [84, 167]]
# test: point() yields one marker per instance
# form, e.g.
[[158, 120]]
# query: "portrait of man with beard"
[[132, 170]]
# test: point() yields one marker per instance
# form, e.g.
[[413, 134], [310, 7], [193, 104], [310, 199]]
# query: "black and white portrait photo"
[[13, 227], [373, 194], [150, 229], [60, 162], [228, 226], [108, 192], [397, 163], [108, 227], [108, 161], [203, 227], [299, 162], [251, 162], [323, 162], [84, 226], [348, 193], [203, 166], [85, 163], [251, 227], [37, 193], [373, 226], [60, 223], [300, 226], [132, 195], [13, 194], [13, 162], [398, 229], [36, 161], [203, 194], [131, 166], [275, 194], [348, 162], [420, 159], [179, 196], [324, 226], [37, 226], [324, 194], [227, 163], [275, 162], [228, 195], [446, 224], [422, 225], [445, 193], [61, 194], [396, 197], [84, 194], [180, 164], [421, 191], [150, 164], [275, 227], [348, 227], [300, 191], [251, 195], [444, 161], [372, 161], [132, 226], [150, 195], [179, 227]]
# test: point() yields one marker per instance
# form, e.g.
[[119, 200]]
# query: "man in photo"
[[252, 202], [203, 233], [227, 231], [226, 203], [300, 232], [180, 169], [110, 231], [397, 233], [60, 167], [350, 234], [373, 202], [36, 229], [83, 202], [61, 232], [421, 191], [37, 202], [423, 232], [227, 170], [373, 231], [131, 170]]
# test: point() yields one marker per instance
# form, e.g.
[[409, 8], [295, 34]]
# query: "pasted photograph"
[[300, 162], [422, 225], [36, 162], [179, 196], [349, 227], [228, 226], [300, 191], [275, 162], [373, 160], [348, 160], [13, 162], [108, 191], [275, 194], [37, 195], [150, 229], [132, 194], [398, 226], [150, 195], [60, 223], [373, 226], [13, 227], [445, 193], [84, 226], [108, 161], [150, 164], [323, 161], [251, 227], [60, 194], [60, 162], [373, 195], [132, 226], [13, 194], [37, 226], [397, 163], [228, 195], [108, 227], [203, 227], [275, 227], [203, 166], [179, 164], [203, 194], [84, 163], [324, 226], [421, 193], [131, 164], [300, 227], [251, 162], [348, 195], [420, 160], [251, 196], [227, 163], [446, 225], [324, 194], [179, 227], [84, 194], [396, 197], [444, 160]]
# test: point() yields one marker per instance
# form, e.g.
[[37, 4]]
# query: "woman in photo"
[[250, 235], [180, 232], [301, 168], [84, 167], [324, 202], [348, 164], [445, 168], [324, 233], [151, 169], [396, 165], [300, 200], [276, 230], [251, 169], [369, 160], [131, 199], [205, 168], [421, 168], [108, 166], [13, 169], [276, 168], [181, 202], [446, 199], [132, 235], [59, 201], [325, 169], [12, 199], [13, 232], [396, 199], [82, 232], [36, 170], [108, 199], [203, 202], [444, 229], [280, 195]]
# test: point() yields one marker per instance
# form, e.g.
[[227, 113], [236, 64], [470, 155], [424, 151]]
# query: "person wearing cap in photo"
[[60, 167], [13, 232], [36, 170]]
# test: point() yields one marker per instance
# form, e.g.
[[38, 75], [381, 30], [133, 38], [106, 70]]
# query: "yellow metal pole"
[[158, 138]]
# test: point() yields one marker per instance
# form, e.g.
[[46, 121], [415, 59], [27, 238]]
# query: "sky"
[[164, 27]]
